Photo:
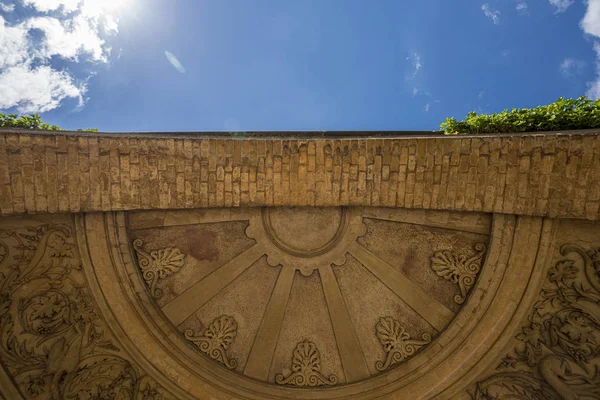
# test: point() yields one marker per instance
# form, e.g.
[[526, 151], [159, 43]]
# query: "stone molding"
[[551, 175]]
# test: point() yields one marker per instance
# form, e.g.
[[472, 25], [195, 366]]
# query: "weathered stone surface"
[[346, 299], [552, 175]]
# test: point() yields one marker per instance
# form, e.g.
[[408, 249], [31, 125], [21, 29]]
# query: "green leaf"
[[32, 121], [563, 114]]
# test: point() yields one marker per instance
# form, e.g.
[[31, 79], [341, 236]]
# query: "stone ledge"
[[542, 174]]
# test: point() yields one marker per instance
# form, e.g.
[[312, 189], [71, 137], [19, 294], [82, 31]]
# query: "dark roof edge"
[[293, 134]]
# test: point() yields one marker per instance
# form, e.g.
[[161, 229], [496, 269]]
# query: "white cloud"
[[522, 7], [561, 5], [481, 94], [427, 107], [73, 32], [590, 24], [7, 8], [570, 67], [594, 87], [38, 89], [591, 20], [494, 15], [69, 38], [415, 92], [175, 62], [13, 45], [52, 5], [415, 61]]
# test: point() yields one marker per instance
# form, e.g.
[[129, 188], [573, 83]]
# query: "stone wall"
[[431, 267], [552, 175]]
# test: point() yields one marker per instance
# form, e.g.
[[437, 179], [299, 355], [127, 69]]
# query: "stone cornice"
[[552, 175]]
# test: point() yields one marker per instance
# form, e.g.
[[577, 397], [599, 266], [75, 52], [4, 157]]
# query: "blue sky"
[[194, 65]]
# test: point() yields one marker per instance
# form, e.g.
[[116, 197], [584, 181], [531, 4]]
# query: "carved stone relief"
[[397, 342], [459, 268], [216, 339], [53, 342], [306, 368], [156, 265], [558, 355], [319, 255], [260, 313]]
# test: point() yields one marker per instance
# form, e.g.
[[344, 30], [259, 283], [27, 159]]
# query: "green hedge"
[[33, 121], [564, 114]]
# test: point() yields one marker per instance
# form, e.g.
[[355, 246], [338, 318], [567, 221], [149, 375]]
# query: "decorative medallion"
[[158, 264], [306, 238], [396, 342], [306, 368], [459, 268], [216, 339]]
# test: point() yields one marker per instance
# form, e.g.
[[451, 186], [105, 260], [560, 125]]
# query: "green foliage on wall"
[[33, 121], [563, 114]]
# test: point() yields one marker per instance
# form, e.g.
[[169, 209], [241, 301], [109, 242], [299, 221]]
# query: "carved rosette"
[[216, 339], [396, 342], [158, 264], [306, 368], [459, 268], [560, 344]]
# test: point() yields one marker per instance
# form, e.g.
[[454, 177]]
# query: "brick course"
[[554, 175]]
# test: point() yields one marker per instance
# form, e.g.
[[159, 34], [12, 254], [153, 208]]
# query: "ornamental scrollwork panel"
[[156, 265], [53, 342], [396, 342], [558, 355], [216, 339], [306, 368], [458, 268]]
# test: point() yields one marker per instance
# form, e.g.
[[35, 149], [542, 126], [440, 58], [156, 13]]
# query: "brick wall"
[[556, 175]]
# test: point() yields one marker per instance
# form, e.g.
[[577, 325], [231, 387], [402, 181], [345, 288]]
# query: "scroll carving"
[[158, 264], [558, 356], [396, 342], [216, 339], [306, 368], [459, 269], [52, 341]]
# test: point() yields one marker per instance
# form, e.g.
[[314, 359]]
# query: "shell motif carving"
[[396, 342], [158, 264], [216, 339], [459, 268], [306, 368]]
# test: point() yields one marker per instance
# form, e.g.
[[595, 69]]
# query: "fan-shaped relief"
[[325, 252], [216, 339], [397, 343], [306, 368], [156, 265], [559, 346], [308, 239], [459, 268]]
